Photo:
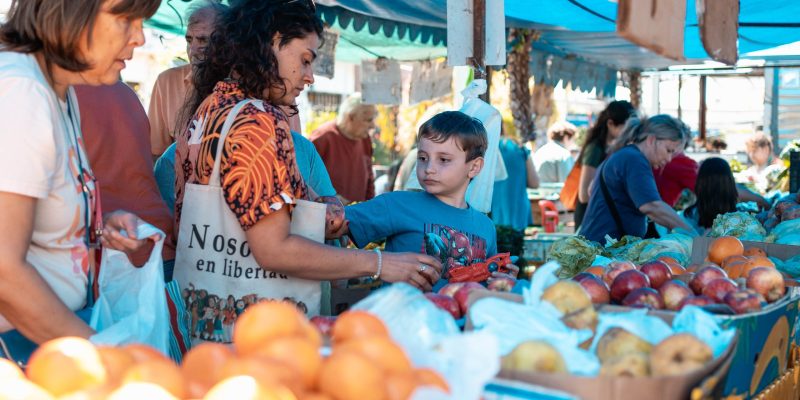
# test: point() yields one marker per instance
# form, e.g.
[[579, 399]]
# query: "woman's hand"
[[335, 223], [119, 232], [419, 270]]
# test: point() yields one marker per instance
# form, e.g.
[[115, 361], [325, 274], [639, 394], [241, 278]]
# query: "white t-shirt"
[[553, 162], [39, 157]]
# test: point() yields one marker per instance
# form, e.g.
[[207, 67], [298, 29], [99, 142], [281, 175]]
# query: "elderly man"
[[346, 149], [172, 85]]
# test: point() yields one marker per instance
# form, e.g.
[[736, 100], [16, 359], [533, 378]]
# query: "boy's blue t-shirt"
[[630, 182], [418, 222]]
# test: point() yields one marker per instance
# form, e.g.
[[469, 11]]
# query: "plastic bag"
[[479, 191], [132, 307], [431, 339], [692, 319]]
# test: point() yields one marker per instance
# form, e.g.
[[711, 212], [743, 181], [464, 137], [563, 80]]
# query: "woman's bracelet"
[[380, 265]]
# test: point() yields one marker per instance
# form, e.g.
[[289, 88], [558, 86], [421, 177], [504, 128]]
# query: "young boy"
[[438, 221]]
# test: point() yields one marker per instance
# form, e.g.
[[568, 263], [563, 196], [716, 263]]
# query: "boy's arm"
[[369, 221]]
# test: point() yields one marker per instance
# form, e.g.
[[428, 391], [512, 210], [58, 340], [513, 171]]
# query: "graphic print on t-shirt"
[[452, 247]]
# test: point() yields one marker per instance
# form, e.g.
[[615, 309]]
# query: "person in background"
[[385, 183], [346, 148], [510, 204], [49, 220], [116, 135], [553, 161], [625, 194], [438, 220], [172, 85], [600, 136], [716, 193], [765, 164]]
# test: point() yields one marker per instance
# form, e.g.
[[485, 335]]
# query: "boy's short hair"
[[469, 132]]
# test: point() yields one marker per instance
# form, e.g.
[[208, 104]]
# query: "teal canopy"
[[575, 35]]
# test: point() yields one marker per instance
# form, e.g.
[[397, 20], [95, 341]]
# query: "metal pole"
[[702, 127], [680, 86], [479, 42]]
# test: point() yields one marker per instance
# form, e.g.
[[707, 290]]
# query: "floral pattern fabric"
[[258, 169]]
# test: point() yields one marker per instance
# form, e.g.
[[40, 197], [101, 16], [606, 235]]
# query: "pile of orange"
[[729, 253], [276, 355]]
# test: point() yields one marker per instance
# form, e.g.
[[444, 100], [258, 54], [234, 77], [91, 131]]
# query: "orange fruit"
[[724, 247], [429, 377], [755, 251], [158, 372], [595, 270], [676, 269], [264, 321], [761, 261], [9, 370], [23, 389], [733, 260], [248, 388], [263, 370], [314, 396], [142, 353], [117, 361], [140, 390], [66, 365], [299, 353], [311, 333], [95, 393], [381, 352], [347, 375], [401, 386], [202, 367], [357, 325]]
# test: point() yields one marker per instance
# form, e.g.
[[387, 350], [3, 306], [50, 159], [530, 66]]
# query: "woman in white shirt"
[[47, 191]]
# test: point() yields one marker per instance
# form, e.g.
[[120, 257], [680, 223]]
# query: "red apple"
[[766, 281], [744, 301], [597, 289], [323, 323], [446, 303], [627, 282], [657, 271], [582, 275], [614, 268], [695, 301], [718, 288], [450, 289], [705, 275], [644, 297], [500, 282], [673, 292], [462, 295]]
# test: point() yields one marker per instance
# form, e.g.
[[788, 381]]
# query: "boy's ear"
[[475, 167]]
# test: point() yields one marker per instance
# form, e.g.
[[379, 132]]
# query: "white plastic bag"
[[132, 305], [479, 192], [430, 337]]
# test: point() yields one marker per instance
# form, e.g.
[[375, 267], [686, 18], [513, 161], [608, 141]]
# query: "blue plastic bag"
[[131, 306]]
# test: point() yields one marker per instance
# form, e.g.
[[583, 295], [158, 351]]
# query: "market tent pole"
[[702, 124], [479, 45]]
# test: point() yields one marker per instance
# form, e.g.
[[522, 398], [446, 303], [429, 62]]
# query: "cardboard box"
[[765, 337], [704, 383], [788, 385]]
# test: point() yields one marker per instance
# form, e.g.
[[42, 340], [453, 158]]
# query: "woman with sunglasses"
[[48, 221], [624, 194], [262, 50]]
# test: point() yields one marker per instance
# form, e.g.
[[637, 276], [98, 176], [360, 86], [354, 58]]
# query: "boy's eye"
[[444, 160]]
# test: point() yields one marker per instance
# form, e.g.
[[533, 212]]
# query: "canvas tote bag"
[[215, 266]]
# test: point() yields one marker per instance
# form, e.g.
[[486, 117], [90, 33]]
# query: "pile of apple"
[[659, 285], [453, 296]]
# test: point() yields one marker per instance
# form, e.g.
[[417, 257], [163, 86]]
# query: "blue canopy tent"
[[576, 36]]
